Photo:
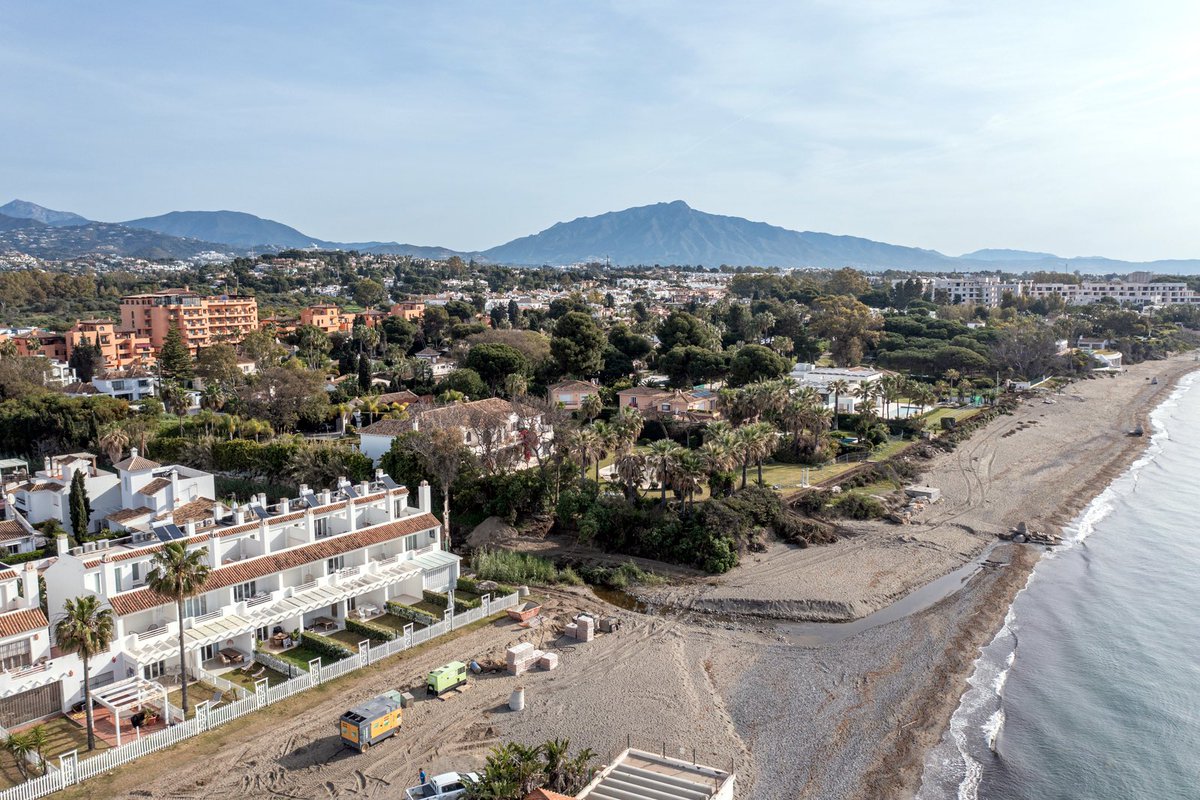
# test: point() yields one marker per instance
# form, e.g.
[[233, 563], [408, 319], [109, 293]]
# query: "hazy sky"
[[1071, 127]]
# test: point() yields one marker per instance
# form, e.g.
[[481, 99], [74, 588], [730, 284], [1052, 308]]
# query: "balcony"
[[280, 605]]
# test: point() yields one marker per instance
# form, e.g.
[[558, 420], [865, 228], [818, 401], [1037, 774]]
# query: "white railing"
[[72, 770], [200, 620], [217, 682], [304, 587], [153, 632], [258, 600]]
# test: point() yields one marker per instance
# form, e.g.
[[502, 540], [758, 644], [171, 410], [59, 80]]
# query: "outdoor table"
[[324, 623]]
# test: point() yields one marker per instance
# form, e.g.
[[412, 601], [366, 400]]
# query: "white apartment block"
[[307, 563], [1138, 289]]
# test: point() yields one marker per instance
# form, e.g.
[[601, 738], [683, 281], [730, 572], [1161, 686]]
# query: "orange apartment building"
[[327, 317], [120, 348], [408, 309], [202, 320]]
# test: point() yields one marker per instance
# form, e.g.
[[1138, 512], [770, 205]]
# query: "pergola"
[[129, 694]]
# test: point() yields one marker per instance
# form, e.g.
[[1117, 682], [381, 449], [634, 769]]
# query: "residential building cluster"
[[305, 563], [990, 290]]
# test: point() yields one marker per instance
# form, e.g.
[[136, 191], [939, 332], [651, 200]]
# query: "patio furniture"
[[279, 637], [216, 699], [230, 656], [324, 624], [258, 673]]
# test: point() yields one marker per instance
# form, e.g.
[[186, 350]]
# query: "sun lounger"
[[216, 699], [258, 673]]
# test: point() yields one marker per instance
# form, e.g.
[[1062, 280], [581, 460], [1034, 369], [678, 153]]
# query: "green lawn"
[[197, 693], [891, 448], [301, 655], [397, 623], [933, 420], [348, 638], [244, 680]]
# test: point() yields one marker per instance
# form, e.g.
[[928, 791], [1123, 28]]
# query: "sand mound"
[[492, 532]]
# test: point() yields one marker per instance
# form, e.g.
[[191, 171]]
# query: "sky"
[[1066, 127]]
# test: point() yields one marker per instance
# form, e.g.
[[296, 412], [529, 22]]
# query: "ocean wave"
[[986, 684]]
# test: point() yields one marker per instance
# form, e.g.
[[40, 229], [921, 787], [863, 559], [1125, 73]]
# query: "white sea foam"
[[991, 668]]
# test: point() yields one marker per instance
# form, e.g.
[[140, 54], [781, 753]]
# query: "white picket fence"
[[72, 769]]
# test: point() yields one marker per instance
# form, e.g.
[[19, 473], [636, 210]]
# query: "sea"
[[1091, 690]]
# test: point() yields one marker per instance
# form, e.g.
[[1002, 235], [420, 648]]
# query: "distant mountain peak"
[[23, 209], [675, 233]]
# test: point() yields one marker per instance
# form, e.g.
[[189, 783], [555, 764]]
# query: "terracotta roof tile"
[[242, 571], [11, 529], [154, 487], [128, 514], [17, 622], [136, 464]]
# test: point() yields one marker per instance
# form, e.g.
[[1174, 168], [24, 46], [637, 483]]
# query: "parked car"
[[447, 786]]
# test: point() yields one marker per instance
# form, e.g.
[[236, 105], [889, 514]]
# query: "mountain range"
[[663, 233]]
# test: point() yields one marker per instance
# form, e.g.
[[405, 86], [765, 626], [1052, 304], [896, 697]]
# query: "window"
[[321, 527], [209, 651], [262, 634], [156, 670], [15, 655], [195, 606], [411, 543], [332, 565], [244, 591]]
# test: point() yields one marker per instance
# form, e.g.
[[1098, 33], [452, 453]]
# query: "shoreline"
[[997, 598]]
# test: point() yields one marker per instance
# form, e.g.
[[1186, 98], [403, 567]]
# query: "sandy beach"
[[850, 718]]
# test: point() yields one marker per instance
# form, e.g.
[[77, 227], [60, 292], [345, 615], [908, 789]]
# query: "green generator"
[[446, 677]]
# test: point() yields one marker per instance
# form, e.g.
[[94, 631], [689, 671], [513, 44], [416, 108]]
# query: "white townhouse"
[[30, 685], [307, 563], [820, 378], [139, 489]]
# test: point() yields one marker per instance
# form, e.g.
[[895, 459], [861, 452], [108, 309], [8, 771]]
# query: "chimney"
[[379, 476], [133, 452], [365, 488], [29, 585], [310, 527], [303, 489], [285, 505], [262, 499], [189, 527], [238, 515], [175, 489], [214, 550], [61, 545], [423, 498], [46, 466], [326, 497]]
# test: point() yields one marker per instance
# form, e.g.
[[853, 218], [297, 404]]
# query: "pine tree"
[[364, 373], [86, 359], [81, 512], [174, 360]]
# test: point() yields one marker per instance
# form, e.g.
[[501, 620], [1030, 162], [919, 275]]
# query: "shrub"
[[812, 502], [371, 630], [472, 585], [859, 506], [518, 568], [627, 574], [325, 646], [411, 614], [435, 599]]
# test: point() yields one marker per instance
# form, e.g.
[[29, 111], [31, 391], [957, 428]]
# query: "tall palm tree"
[[839, 387], [629, 423], [591, 406], [745, 448], [113, 441], [762, 438], [664, 453], [630, 469], [179, 574], [606, 439], [688, 476], [87, 629], [587, 442]]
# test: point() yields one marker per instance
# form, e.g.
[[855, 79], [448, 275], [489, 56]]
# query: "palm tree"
[[87, 629], [629, 424], [839, 387], [587, 444], [20, 746], [112, 441], [38, 740], [370, 405], [762, 437], [607, 438], [664, 452], [688, 476], [630, 469], [591, 406], [177, 573]]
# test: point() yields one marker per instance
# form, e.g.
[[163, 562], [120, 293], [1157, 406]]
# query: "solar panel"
[[309, 499], [388, 483], [168, 532], [259, 512], [349, 489]]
